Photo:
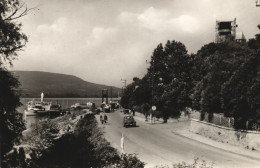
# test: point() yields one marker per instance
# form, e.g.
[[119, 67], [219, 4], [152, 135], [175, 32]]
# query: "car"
[[76, 105], [129, 121], [38, 108], [127, 111], [55, 107], [79, 106], [106, 108]]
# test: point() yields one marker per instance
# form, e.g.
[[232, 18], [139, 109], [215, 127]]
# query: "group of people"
[[103, 118]]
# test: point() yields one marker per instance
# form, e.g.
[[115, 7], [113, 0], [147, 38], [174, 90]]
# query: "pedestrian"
[[101, 118], [105, 118], [133, 112]]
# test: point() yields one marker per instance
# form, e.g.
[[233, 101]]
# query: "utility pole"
[[123, 81], [152, 64], [111, 89]]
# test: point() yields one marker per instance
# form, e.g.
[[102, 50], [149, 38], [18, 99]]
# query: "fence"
[[221, 120], [218, 119]]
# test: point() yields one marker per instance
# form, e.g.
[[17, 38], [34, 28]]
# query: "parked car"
[[99, 109], [76, 105], [126, 111], [106, 108], [55, 107], [79, 106], [129, 121], [37, 108], [114, 105]]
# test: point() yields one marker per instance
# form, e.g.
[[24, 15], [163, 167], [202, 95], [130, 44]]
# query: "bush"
[[130, 161], [86, 147], [196, 164]]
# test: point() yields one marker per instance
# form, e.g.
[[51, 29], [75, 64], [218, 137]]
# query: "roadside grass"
[[197, 163]]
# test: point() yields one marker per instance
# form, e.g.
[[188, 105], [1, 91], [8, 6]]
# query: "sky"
[[104, 41]]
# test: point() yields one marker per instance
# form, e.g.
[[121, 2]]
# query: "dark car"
[[129, 121], [127, 111], [55, 107]]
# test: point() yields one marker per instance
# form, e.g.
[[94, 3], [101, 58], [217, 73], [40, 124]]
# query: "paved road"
[[156, 145]]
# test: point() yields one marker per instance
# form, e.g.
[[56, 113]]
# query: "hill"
[[59, 85]]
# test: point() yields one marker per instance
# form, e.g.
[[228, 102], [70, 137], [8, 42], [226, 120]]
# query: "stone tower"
[[225, 31]]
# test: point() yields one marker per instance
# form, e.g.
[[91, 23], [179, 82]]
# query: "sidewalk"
[[181, 128]]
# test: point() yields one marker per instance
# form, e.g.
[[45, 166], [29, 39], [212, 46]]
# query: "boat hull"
[[30, 112]]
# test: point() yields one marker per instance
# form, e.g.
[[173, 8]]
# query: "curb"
[[247, 156]]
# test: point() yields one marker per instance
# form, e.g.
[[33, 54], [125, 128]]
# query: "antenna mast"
[[257, 3]]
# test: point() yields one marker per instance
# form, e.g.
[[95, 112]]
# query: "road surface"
[[157, 145]]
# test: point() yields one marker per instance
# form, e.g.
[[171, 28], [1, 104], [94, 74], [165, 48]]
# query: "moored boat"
[[35, 107]]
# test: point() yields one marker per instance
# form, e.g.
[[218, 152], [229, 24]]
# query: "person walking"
[[101, 118], [105, 118], [133, 112]]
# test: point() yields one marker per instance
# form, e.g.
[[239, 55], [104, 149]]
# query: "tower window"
[[224, 25]]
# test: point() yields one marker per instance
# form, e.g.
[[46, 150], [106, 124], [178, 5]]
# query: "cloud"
[[100, 35], [161, 20], [126, 17], [103, 42], [186, 23], [153, 18], [58, 26]]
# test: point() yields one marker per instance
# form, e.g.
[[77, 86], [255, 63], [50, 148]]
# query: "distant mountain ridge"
[[59, 85]]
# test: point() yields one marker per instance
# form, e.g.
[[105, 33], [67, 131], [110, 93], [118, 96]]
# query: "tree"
[[130, 160], [240, 97], [255, 42], [12, 40], [145, 108], [230, 77], [167, 83], [136, 93], [176, 81], [10, 120], [11, 37]]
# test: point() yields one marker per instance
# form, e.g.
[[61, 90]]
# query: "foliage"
[[130, 161], [145, 109], [255, 42], [11, 37], [229, 71], [219, 78], [240, 97], [86, 147], [10, 120], [11, 41], [196, 164], [136, 93], [15, 159], [167, 83], [42, 134], [56, 85]]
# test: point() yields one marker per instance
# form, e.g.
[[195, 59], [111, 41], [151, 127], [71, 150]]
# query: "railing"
[[221, 120]]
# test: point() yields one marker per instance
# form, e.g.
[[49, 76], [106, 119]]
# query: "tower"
[[225, 31]]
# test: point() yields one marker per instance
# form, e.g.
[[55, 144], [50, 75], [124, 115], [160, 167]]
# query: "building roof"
[[240, 36]]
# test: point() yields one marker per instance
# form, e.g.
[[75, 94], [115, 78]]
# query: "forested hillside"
[[59, 85]]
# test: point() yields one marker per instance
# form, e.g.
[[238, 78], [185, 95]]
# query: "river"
[[64, 102]]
